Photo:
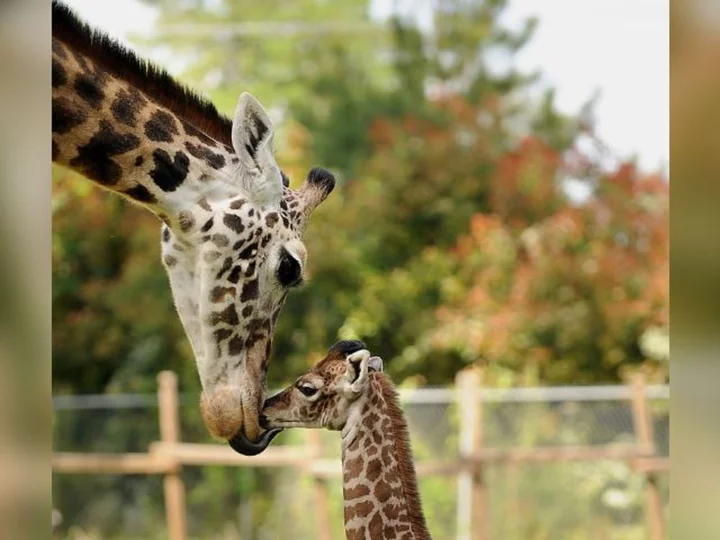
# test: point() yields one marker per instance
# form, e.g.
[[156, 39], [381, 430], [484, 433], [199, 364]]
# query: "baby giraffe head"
[[327, 395]]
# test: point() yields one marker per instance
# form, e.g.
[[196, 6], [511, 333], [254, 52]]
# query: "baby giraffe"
[[348, 392]]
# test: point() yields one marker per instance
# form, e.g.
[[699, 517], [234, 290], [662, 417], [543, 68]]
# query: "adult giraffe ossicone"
[[348, 392], [232, 228]]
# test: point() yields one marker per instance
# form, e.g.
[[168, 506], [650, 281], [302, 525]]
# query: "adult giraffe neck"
[[129, 126], [379, 479]]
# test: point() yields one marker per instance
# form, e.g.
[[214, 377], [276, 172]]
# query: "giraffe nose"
[[348, 347]]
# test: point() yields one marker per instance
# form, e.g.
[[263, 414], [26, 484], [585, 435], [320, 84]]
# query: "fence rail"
[[167, 456], [426, 396]]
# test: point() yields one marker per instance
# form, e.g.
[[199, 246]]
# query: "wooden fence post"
[[322, 509], [168, 411], [643, 422], [472, 514]]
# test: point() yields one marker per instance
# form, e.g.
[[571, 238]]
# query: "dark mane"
[[153, 81], [403, 454]]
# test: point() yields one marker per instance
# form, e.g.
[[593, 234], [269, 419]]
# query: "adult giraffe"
[[232, 229]]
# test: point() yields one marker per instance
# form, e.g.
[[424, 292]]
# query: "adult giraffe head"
[[232, 228]]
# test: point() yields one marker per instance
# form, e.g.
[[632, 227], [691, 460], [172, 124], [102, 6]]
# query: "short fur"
[[153, 81]]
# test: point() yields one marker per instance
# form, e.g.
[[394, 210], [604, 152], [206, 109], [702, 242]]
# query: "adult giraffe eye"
[[289, 272], [307, 390]]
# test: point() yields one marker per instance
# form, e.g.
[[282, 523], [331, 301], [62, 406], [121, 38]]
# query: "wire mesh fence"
[[572, 499]]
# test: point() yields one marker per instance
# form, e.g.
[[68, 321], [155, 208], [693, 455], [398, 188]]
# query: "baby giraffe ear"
[[375, 363], [356, 373]]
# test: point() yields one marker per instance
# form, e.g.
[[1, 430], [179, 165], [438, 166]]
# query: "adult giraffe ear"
[[252, 134]]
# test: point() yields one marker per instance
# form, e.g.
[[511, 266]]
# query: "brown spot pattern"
[[161, 127]]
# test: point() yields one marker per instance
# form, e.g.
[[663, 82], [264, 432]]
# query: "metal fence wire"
[[525, 501]]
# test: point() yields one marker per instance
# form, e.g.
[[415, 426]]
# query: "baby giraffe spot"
[[250, 270], [382, 491], [377, 438], [372, 450], [169, 261], [363, 509], [202, 203], [247, 311], [186, 220], [139, 161], [237, 204], [389, 532], [386, 456], [354, 467], [391, 511], [375, 527], [370, 420], [233, 222], [374, 470], [361, 490], [219, 294], [355, 534]]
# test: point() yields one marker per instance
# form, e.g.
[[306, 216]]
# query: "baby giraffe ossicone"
[[347, 391]]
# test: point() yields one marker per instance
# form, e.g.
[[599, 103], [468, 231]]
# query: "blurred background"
[[502, 202]]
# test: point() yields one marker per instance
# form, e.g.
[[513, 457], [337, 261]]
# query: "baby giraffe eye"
[[307, 390]]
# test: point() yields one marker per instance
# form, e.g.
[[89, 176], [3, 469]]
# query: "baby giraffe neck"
[[379, 481]]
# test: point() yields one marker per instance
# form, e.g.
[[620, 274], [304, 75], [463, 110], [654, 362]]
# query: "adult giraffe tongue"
[[243, 446]]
